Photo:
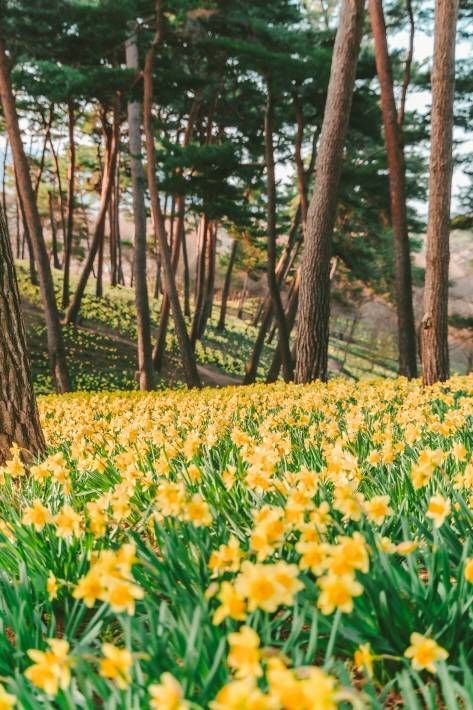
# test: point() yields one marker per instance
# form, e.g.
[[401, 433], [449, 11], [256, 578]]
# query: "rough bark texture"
[[314, 297], [145, 363], [434, 331], [397, 194], [57, 357], [97, 238], [19, 419], [226, 286], [190, 368], [273, 282]]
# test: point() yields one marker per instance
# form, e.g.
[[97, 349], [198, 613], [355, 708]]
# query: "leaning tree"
[[19, 419]]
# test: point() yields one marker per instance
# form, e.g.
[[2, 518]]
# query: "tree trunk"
[[56, 350], [52, 221], [407, 64], [435, 359], [187, 355], [314, 297], [273, 282], [242, 299], [68, 235], [19, 418], [4, 189], [397, 193], [291, 312], [100, 255], [204, 239], [99, 229], [143, 322], [226, 286], [209, 286]]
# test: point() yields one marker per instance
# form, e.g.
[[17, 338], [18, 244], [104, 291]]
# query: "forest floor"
[[102, 354]]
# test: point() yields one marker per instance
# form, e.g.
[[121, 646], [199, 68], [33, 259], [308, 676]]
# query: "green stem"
[[333, 635]]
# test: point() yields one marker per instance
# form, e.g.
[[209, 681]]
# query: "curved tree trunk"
[[314, 296], [397, 194], [226, 286], [57, 356], [188, 360], [145, 363], [19, 419], [434, 331]]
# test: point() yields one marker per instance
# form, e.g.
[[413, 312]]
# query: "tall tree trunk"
[[4, 187], [56, 350], [273, 284], [99, 229], [209, 286], [226, 285], [203, 243], [143, 321], [59, 183], [187, 355], [52, 221], [100, 255], [397, 193], [434, 333], [314, 296], [68, 235], [19, 418], [179, 208], [291, 312], [27, 239], [407, 64], [186, 277]]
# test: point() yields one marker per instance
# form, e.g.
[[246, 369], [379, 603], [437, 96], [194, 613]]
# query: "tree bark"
[[68, 235], [19, 418], [434, 333], [397, 194], [314, 296], [97, 238], [57, 356], [143, 321], [187, 355], [226, 286], [273, 283]]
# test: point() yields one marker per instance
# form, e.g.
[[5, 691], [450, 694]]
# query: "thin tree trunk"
[[186, 277], [242, 299], [314, 296], [291, 313], [187, 355], [100, 255], [52, 221], [143, 321], [47, 127], [407, 64], [397, 193], [209, 285], [4, 189], [226, 286], [27, 240], [273, 285], [19, 418], [56, 350], [204, 239], [59, 183], [68, 234], [99, 229], [435, 358]]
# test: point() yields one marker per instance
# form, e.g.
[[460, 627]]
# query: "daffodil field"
[[270, 547]]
